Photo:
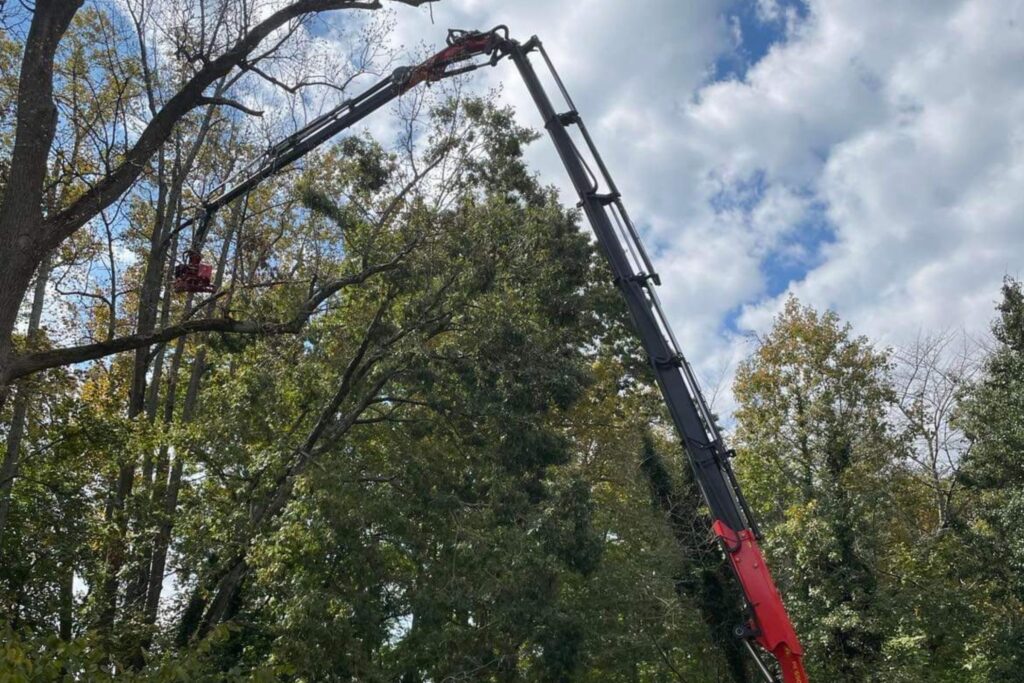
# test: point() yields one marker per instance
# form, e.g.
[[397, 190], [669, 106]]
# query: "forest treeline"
[[410, 437]]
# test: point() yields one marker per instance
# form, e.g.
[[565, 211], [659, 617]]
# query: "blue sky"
[[754, 32]]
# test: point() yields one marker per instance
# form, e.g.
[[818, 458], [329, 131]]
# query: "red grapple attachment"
[[771, 627], [462, 46], [193, 275]]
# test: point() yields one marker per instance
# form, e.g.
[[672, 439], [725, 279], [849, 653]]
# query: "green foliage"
[[876, 590], [992, 414], [25, 657], [817, 460]]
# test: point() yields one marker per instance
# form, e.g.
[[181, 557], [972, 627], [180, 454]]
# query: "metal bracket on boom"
[[642, 279], [672, 361], [569, 118], [607, 198]]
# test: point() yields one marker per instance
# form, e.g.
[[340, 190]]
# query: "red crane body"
[[769, 626]]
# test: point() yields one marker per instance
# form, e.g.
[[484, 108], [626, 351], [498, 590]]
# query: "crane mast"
[[769, 626]]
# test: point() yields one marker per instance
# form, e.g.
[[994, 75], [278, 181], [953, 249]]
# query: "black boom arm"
[[634, 275], [618, 240]]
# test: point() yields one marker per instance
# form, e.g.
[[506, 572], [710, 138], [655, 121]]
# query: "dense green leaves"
[[993, 417], [419, 486], [817, 459], [883, 583]]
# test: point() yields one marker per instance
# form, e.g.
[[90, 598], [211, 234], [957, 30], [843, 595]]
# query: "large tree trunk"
[[19, 417], [17, 264], [21, 211]]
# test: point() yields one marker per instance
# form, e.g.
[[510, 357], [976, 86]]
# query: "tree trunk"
[[162, 544], [702, 581], [167, 213], [225, 597], [168, 495], [67, 602], [21, 204], [152, 516], [16, 267], [9, 468]]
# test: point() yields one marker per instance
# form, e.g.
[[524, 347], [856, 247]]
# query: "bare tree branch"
[[190, 96], [29, 363], [228, 102]]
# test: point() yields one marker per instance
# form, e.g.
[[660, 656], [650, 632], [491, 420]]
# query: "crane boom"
[[634, 275], [733, 523]]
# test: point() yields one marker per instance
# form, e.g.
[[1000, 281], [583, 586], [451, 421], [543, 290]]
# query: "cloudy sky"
[[866, 155]]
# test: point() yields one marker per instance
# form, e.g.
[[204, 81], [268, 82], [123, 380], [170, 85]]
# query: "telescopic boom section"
[[455, 59], [769, 625], [634, 275]]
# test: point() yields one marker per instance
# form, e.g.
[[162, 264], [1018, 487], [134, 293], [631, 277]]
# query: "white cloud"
[[923, 186], [902, 124]]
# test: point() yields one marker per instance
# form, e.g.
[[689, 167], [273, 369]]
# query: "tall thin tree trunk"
[[152, 516], [154, 473], [67, 601], [703, 582], [125, 479], [168, 216], [168, 495], [153, 278]]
